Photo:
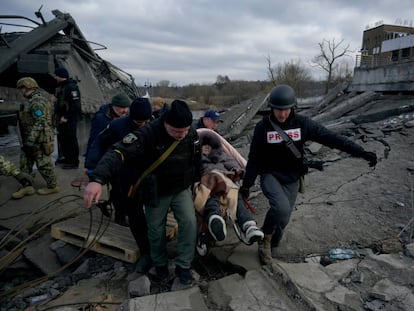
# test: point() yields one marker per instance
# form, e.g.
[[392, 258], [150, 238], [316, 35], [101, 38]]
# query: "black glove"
[[371, 157], [28, 150], [245, 192], [24, 179]]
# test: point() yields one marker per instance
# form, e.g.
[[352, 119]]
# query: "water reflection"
[[11, 139]]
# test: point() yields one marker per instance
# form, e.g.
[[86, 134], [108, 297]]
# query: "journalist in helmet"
[[279, 160]]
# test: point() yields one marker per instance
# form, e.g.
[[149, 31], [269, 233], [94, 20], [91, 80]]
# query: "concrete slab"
[[341, 269], [310, 281], [189, 299], [254, 292], [245, 256], [39, 253], [387, 291], [310, 277], [345, 297], [395, 261]]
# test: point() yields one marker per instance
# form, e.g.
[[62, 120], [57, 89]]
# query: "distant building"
[[385, 44], [386, 62]]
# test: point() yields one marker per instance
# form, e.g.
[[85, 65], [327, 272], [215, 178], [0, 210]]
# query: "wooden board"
[[107, 238]]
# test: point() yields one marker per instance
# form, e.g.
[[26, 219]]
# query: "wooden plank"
[[108, 238]]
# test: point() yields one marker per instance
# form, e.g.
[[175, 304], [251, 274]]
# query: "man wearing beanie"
[[170, 182], [118, 107], [140, 113], [67, 112]]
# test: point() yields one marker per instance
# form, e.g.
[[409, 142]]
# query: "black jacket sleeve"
[[322, 135], [129, 150], [252, 163]]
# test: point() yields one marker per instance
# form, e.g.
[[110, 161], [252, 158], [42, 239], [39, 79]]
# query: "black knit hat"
[[140, 109], [179, 115], [61, 72]]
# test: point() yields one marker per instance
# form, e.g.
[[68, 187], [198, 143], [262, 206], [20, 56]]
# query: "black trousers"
[[138, 225], [68, 142]]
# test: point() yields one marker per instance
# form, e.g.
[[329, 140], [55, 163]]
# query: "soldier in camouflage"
[[35, 122], [7, 168]]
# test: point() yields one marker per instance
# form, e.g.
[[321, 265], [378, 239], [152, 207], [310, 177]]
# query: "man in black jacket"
[[280, 165], [173, 179], [67, 112], [140, 113]]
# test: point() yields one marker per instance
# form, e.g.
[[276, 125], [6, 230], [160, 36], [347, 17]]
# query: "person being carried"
[[7, 168], [280, 162], [172, 139], [217, 195]]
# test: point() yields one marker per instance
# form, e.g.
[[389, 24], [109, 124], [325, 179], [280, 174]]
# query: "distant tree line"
[[226, 92]]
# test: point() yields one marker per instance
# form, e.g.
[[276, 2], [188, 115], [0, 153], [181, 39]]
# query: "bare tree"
[[270, 72], [293, 73], [330, 53]]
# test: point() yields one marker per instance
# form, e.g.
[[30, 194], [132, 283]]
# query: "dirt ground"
[[349, 204]]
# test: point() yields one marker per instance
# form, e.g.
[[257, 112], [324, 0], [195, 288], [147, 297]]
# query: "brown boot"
[[29, 190], [46, 191], [265, 250]]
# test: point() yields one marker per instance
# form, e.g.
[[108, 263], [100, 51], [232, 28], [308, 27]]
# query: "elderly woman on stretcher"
[[217, 194]]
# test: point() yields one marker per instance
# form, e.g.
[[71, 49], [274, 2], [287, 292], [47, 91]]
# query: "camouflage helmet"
[[27, 82], [281, 97]]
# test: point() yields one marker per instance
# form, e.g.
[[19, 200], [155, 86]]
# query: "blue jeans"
[[282, 198], [181, 203]]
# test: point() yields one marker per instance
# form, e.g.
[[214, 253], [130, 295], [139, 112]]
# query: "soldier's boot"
[[265, 249], [46, 191], [28, 190]]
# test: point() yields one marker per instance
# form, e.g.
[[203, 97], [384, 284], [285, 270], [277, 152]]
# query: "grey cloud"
[[193, 41]]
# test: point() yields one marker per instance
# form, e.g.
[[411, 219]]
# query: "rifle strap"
[[152, 167], [287, 139]]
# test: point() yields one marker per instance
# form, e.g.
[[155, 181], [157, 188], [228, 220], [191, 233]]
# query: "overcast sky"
[[194, 41]]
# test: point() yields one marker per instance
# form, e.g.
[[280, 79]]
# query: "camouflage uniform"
[[7, 168], [37, 133]]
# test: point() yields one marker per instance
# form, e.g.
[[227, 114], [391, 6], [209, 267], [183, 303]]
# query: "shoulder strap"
[[152, 167], [287, 139]]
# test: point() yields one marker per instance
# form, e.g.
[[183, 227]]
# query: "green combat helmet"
[[27, 82]]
